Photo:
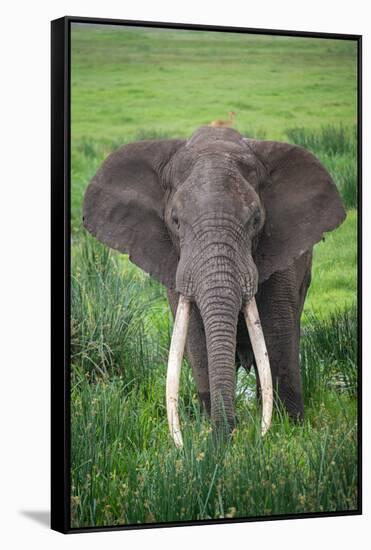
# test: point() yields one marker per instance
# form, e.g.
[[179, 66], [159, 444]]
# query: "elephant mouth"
[[176, 352]]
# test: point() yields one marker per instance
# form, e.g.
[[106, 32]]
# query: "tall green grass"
[[329, 354], [120, 320], [331, 139], [125, 468]]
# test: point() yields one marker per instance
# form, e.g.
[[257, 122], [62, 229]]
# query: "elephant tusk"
[[262, 361], [176, 352]]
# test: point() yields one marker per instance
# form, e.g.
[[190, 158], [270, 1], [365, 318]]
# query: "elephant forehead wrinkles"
[[186, 163], [214, 165]]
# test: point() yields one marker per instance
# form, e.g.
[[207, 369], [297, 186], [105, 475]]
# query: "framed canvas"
[[205, 274]]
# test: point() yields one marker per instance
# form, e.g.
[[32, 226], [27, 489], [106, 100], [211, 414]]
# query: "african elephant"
[[228, 225]]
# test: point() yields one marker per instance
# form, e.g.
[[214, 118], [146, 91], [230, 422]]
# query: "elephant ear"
[[124, 206], [301, 203]]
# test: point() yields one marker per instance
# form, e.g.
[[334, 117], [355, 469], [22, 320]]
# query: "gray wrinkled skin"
[[221, 218]]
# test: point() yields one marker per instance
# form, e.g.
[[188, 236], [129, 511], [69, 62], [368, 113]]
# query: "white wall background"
[[24, 272]]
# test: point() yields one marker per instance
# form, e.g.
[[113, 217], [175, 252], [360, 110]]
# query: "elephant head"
[[213, 217]]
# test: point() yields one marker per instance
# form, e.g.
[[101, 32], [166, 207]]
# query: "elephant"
[[227, 224]]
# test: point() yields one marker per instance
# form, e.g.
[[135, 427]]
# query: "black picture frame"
[[61, 262]]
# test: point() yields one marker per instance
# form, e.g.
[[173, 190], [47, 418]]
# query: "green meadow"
[[132, 84]]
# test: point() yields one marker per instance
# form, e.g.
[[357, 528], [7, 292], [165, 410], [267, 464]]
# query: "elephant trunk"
[[219, 301]]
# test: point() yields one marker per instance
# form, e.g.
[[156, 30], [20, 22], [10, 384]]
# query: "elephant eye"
[[175, 219]]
